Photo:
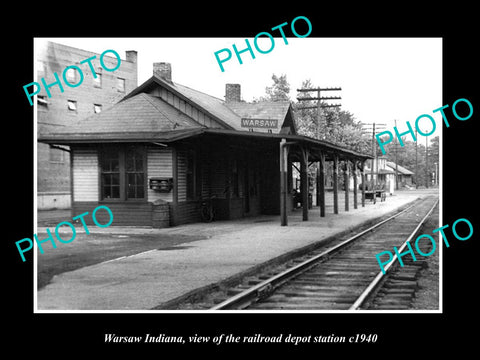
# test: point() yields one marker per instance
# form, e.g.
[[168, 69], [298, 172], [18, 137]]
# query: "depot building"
[[154, 156]]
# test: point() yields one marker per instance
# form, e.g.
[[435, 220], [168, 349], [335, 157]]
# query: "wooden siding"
[[182, 175], [85, 175], [205, 176], [270, 184], [218, 176], [185, 212], [124, 213], [159, 164], [180, 104]]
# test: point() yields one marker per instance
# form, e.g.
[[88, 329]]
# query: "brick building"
[[67, 108]]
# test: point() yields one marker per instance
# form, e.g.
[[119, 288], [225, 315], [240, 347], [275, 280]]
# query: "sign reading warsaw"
[[260, 123]]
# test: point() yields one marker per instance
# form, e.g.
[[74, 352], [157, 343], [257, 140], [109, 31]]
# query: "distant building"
[[384, 174], [67, 108], [404, 175]]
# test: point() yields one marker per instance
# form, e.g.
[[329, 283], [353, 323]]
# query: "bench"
[[379, 192]]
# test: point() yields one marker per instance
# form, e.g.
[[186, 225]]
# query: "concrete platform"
[[147, 280]]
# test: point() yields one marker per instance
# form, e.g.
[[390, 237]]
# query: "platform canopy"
[[315, 147]]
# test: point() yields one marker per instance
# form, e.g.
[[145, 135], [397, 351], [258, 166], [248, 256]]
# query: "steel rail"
[[245, 297], [372, 286]]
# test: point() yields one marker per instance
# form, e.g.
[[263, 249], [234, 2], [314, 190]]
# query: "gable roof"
[[265, 110], [228, 114], [140, 113], [211, 105], [401, 169]]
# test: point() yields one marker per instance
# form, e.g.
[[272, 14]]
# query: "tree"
[[278, 91], [336, 126]]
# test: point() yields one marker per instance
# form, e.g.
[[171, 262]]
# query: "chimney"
[[131, 56], [232, 93], [163, 70]]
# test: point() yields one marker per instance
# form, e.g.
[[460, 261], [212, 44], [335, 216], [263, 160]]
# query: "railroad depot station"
[[156, 154]]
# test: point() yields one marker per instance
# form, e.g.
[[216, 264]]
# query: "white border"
[[239, 312]]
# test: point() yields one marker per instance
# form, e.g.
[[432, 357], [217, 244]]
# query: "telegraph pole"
[[319, 106], [396, 160], [427, 175], [416, 160]]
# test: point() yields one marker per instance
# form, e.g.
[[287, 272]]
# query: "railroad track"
[[342, 277]]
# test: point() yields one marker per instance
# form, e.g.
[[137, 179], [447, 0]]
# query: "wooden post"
[[355, 184], [362, 172], [283, 183], [335, 183], [317, 183], [304, 183], [321, 187], [346, 178]]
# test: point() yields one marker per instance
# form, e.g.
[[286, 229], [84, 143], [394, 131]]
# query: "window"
[[135, 173], [42, 101], [97, 81], [110, 174], [121, 85], [71, 75], [72, 106], [97, 108], [123, 173]]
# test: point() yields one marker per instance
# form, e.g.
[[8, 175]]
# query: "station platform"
[[155, 278]]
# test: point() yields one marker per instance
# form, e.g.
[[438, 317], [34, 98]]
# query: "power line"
[[319, 104]]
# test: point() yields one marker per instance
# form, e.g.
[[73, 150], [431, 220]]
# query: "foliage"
[[279, 91], [413, 157], [340, 127], [331, 124]]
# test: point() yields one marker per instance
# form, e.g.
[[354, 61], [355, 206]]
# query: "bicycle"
[[207, 212]]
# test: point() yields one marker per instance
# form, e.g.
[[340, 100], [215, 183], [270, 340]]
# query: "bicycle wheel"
[[207, 214]]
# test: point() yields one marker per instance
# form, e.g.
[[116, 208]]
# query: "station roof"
[[401, 169], [170, 137], [143, 117]]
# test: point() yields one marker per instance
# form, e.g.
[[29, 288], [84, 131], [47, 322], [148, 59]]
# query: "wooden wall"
[[159, 164], [85, 174], [214, 179], [185, 212], [180, 104], [270, 184], [124, 213]]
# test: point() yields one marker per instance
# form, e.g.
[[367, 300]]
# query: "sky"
[[382, 79]]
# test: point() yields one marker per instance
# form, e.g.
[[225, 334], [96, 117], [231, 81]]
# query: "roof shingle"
[[140, 113]]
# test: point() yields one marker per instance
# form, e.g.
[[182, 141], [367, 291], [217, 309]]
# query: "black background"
[[406, 334]]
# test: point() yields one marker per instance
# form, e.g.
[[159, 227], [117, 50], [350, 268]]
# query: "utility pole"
[[416, 160], [319, 106], [427, 175], [396, 160]]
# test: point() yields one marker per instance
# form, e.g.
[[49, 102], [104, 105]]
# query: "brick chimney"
[[131, 56], [232, 92], [163, 70]]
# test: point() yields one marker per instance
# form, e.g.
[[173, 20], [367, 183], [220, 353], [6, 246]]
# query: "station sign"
[[259, 123]]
